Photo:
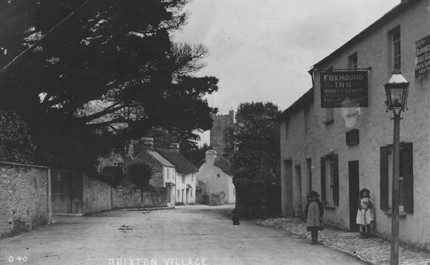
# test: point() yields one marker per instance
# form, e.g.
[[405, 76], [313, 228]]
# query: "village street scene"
[[200, 132]]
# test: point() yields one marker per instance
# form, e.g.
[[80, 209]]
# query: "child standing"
[[314, 211], [365, 213]]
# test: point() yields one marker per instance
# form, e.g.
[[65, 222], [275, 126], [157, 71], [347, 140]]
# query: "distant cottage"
[[185, 184], [215, 180]]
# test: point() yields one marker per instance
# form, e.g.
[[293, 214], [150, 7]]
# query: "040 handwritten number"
[[18, 259]]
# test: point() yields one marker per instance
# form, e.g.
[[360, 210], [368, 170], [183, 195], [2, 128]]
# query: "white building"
[[185, 184], [215, 178], [337, 151]]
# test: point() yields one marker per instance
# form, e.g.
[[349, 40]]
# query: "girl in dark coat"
[[314, 211]]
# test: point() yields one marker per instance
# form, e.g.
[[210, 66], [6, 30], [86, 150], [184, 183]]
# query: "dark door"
[[297, 192], [354, 188]]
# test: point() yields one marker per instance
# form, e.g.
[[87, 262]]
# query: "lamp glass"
[[397, 97], [396, 91]]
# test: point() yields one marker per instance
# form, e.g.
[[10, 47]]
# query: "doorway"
[[297, 192], [287, 189], [354, 189]]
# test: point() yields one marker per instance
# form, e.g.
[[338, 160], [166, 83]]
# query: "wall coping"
[[22, 165]]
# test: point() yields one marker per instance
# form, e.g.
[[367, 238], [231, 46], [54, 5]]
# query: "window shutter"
[[323, 198], [336, 179], [384, 178], [408, 178]]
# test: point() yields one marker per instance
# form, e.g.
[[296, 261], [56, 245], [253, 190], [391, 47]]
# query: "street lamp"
[[396, 91]]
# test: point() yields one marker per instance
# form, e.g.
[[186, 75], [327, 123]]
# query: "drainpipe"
[[176, 185], [49, 196]]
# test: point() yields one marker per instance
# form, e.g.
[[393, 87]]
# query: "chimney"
[[148, 143], [210, 156], [174, 146]]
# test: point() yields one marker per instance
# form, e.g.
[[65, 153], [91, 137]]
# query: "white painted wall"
[[169, 176], [375, 126], [184, 196], [215, 179]]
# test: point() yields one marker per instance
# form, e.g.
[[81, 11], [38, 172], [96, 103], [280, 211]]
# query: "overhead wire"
[[42, 38]]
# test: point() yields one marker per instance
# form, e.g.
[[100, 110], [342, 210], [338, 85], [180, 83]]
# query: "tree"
[[15, 143], [106, 74], [254, 144], [140, 174], [197, 155]]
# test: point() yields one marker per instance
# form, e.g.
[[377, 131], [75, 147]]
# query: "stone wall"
[[24, 198], [67, 192], [129, 197], [75, 192], [123, 197], [97, 195]]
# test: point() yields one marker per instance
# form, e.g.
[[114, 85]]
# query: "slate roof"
[[161, 159], [222, 163], [182, 164], [298, 104]]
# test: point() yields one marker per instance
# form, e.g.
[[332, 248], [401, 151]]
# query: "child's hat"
[[364, 190], [313, 194]]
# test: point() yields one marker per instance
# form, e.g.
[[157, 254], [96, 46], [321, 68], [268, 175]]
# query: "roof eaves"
[[306, 98], [182, 164], [367, 31]]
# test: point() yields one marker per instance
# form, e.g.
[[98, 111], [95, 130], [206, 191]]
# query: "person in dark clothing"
[[314, 212], [235, 219]]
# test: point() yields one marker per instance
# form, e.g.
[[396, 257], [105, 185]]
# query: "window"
[[168, 173], [330, 180], [218, 175], [353, 61], [406, 190], [394, 48], [119, 165], [183, 179]]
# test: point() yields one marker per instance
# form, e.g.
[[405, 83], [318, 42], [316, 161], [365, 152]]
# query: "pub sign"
[[422, 59], [344, 89]]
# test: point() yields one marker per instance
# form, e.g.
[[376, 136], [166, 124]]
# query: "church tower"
[[217, 131]]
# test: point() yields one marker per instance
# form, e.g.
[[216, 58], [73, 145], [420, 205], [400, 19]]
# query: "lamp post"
[[396, 91]]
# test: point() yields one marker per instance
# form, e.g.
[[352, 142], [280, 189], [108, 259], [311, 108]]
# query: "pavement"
[[371, 250]]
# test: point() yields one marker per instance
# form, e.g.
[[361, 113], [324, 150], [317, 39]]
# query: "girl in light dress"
[[365, 213]]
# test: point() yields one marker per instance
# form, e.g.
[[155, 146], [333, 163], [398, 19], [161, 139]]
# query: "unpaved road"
[[188, 235]]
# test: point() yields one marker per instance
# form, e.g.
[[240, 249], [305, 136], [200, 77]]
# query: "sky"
[[262, 50]]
